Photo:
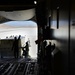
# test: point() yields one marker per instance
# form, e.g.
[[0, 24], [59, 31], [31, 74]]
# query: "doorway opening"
[[27, 30], [20, 22]]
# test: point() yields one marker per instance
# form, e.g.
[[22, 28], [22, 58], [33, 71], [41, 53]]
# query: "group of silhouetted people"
[[16, 48], [48, 49], [44, 56]]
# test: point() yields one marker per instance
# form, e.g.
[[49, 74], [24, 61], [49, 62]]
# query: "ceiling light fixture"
[[35, 2]]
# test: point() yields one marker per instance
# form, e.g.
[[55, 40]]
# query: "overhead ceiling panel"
[[18, 15]]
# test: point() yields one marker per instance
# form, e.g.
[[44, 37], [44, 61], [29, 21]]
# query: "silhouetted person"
[[48, 57], [27, 49], [48, 49], [16, 47], [24, 51], [45, 43], [53, 47]]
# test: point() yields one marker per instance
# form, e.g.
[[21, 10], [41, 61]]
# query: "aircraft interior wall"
[[72, 39], [61, 41]]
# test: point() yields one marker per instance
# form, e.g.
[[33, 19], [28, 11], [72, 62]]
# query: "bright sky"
[[21, 23]]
